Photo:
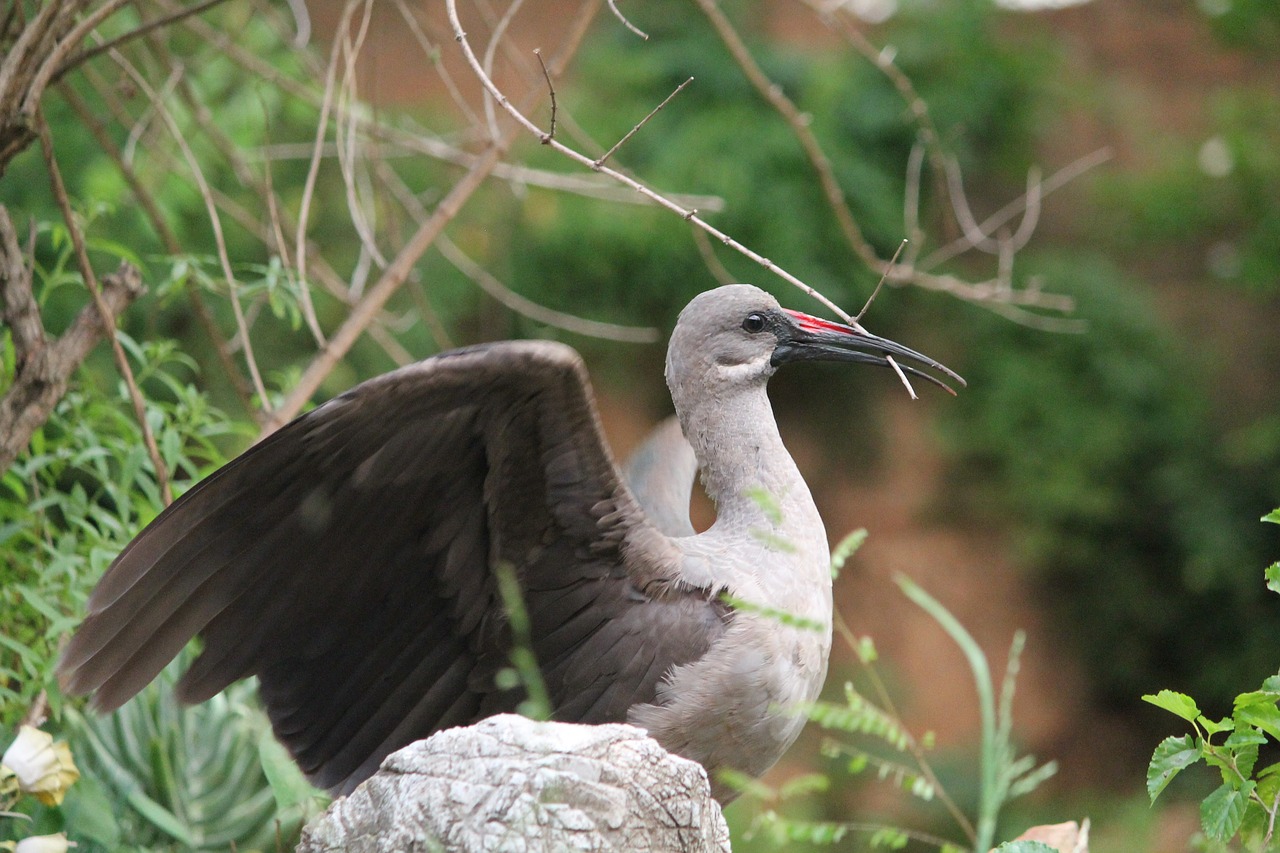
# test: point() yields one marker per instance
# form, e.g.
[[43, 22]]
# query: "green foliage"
[[1212, 202], [1100, 451], [1253, 24], [77, 497], [172, 777], [1247, 803], [523, 672], [1004, 775]]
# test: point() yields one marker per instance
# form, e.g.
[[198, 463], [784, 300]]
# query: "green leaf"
[[847, 548], [90, 814], [1258, 708], [805, 784], [1244, 737], [1223, 725], [160, 817], [1171, 756], [1272, 574], [1273, 516], [1175, 703], [1222, 811], [866, 650], [288, 785]]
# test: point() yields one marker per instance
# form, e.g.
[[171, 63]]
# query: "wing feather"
[[348, 562]]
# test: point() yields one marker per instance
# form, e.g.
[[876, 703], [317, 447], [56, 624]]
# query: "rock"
[[512, 784]]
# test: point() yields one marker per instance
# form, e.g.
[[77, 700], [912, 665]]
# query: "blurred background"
[[1092, 194]]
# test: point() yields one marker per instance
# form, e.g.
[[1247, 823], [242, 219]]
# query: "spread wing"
[[660, 474], [349, 562]]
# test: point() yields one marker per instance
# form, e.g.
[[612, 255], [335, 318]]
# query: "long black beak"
[[807, 338]]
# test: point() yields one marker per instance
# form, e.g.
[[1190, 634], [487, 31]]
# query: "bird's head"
[[737, 336]]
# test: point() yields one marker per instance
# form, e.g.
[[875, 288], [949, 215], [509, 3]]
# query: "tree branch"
[[45, 366], [105, 315]]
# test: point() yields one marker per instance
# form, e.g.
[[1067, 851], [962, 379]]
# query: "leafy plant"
[[1247, 803], [70, 504], [160, 775]]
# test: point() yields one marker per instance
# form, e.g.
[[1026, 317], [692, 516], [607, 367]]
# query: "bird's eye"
[[754, 322]]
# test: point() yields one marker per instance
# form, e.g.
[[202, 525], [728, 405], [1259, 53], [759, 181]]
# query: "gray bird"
[[348, 560]]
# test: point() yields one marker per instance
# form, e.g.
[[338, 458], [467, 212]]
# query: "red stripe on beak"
[[810, 323]]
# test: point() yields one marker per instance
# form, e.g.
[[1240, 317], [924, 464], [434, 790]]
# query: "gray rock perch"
[[349, 560], [510, 784]]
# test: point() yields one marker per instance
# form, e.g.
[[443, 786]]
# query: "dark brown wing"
[[348, 562]]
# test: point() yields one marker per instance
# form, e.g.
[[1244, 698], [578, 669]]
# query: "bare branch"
[[170, 241], [214, 220], [551, 133], [632, 132], [495, 38], [708, 252], [159, 23], [688, 215], [613, 7], [540, 313], [1054, 182], [309, 186], [45, 366], [799, 124], [880, 283], [364, 312], [106, 315]]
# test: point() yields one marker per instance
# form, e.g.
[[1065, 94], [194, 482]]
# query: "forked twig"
[[366, 310], [632, 132], [691, 216]]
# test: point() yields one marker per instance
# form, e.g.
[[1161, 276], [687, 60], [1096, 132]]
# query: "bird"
[[351, 560]]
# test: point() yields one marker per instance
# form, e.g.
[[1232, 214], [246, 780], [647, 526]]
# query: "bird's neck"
[[747, 472]]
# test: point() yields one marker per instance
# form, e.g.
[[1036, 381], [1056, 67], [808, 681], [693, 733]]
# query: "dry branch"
[[106, 316], [366, 310], [45, 366]]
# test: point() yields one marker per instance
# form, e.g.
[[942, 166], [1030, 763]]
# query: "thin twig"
[[880, 283], [364, 312], [164, 21], [800, 128], [708, 252], [551, 134], [632, 132], [504, 294], [170, 241], [898, 370], [691, 216], [1054, 182], [309, 185], [588, 185], [215, 223], [495, 38], [617, 13], [539, 313], [433, 53], [105, 313]]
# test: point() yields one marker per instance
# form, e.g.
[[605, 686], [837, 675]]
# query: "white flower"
[[43, 844], [39, 766]]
